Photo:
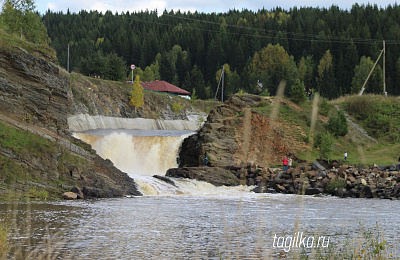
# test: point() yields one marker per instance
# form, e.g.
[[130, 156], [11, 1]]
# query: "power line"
[[306, 37]]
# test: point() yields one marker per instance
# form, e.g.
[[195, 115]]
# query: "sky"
[[202, 6]]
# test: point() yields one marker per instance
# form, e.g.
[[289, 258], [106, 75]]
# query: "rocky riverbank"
[[380, 181], [344, 180]]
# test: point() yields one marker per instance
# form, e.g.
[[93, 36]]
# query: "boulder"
[[313, 191], [279, 188], [165, 179], [217, 176], [331, 175], [317, 166], [340, 192], [382, 167], [351, 178], [393, 167], [258, 189], [90, 192], [78, 192], [69, 195]]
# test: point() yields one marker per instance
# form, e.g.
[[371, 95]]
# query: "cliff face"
[[37, 153], [33, 89], [234, 135]]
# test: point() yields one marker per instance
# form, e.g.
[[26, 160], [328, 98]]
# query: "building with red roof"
[[163, 86]]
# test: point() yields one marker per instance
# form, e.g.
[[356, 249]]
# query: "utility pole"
[[68, 59], [363, 87], [221, 77], [384, 77]]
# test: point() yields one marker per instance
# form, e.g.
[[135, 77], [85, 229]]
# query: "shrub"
[[337, 124], [324, 107], [323, 142], [240, 93], [297, 93], [177, 107], [335, 182], [193, 96], [265, 93]]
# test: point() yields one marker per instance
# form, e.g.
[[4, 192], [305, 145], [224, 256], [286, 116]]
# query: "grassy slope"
[[294, 122], [13, 43], [25, 173]]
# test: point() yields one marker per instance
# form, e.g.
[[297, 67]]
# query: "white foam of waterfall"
[[141, 157]]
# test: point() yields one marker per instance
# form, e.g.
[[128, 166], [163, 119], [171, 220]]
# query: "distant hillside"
[[246, 130]]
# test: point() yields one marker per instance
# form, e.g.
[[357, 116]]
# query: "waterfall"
[[139, 156], [142, 154]]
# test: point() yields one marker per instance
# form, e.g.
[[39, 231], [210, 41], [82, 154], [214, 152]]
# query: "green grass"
[[13, 43], [379, 115], [21, 142], [19, 180]]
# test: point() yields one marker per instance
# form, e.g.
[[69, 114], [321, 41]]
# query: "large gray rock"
[[214, 175], [313, 191], [317, 166]]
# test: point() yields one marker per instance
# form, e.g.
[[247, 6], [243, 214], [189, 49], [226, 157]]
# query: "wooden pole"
[[363, 87], [68, 59], [384, 76]]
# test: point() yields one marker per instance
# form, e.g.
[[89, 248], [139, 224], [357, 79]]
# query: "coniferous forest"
[[330, 50]]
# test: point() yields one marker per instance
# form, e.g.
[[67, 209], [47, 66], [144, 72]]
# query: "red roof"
[[163, 86]]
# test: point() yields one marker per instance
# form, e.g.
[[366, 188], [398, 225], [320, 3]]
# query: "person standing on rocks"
[[205, 159], [345, 155], [290, 162], [285, 163]]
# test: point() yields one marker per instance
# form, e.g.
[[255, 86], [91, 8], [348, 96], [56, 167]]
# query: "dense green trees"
[[20, 18], [319, 47]]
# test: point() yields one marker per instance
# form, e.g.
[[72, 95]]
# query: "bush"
[[324, 107], [177, 107], [335, 182], [297, 93], [265, 93], [323, 142], [337, 124]]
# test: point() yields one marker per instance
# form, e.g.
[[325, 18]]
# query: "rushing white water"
[[142, 154]]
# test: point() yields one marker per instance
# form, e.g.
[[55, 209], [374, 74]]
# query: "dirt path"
[[357, 133]]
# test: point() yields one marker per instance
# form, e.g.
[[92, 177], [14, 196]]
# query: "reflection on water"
[[241, 226]]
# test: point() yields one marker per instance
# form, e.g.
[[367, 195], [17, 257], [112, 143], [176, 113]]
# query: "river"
[[194, 220]]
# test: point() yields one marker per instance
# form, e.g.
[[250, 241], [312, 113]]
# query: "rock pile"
[[379, 181], [343, 181]]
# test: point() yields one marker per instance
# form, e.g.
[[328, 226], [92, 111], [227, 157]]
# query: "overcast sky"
[[206, 6]]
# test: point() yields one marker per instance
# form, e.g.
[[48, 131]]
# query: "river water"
[[194, 220]]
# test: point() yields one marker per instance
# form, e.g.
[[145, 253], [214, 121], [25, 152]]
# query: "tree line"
[[328, 50]]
